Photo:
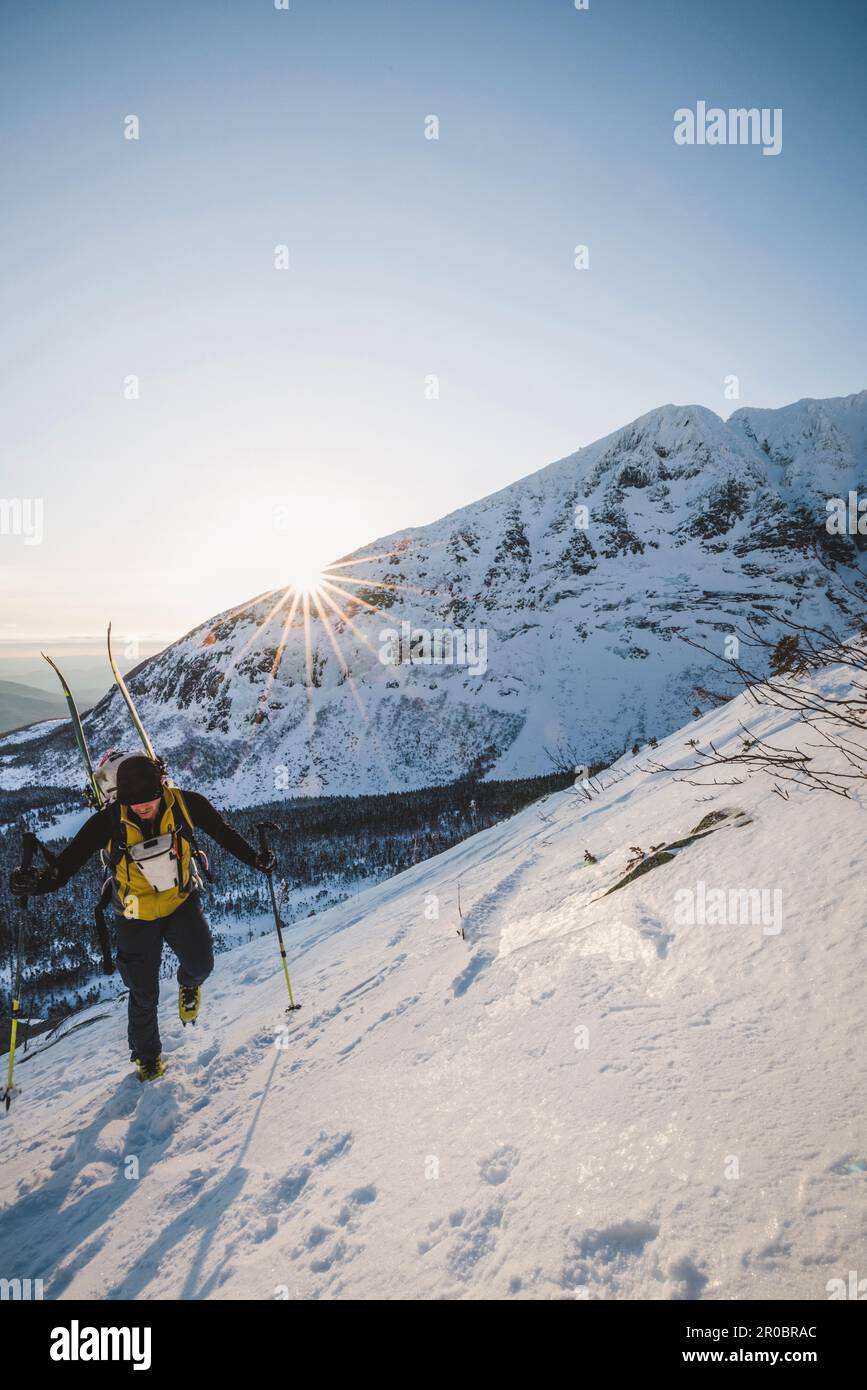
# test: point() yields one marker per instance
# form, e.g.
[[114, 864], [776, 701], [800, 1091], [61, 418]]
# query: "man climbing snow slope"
[[148, 833]]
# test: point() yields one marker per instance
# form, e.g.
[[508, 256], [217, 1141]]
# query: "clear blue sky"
[[408, 257]]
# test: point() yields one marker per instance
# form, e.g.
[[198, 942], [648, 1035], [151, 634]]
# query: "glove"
[[266, 860], [28, 882]]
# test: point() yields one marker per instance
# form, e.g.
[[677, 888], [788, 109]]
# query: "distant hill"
[[25, 704], [26, 679]]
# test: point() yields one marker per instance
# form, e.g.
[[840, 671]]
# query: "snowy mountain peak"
[[567, 594], [819, 448]]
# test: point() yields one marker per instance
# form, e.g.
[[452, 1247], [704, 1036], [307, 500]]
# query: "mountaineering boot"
[[149, 1068], [189, 999]]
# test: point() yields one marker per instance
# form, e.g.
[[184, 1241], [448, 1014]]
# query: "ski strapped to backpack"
[[161, 858], [133, 712], [94, 795], [197, 854]]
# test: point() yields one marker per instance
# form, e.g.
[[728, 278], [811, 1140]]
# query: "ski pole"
[[262, 828], [26, 862]]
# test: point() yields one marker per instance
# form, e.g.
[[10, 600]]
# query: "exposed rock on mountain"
[[566, 592]]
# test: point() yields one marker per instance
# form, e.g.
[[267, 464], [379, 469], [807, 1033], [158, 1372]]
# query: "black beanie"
[[138, 779]]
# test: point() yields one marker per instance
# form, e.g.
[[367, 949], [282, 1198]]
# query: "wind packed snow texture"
[[435, 1127]]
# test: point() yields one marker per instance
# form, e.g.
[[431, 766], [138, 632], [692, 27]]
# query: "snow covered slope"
[[584, 1097], [693, 526]]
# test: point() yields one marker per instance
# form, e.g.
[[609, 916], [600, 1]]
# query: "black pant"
[[139, 951]]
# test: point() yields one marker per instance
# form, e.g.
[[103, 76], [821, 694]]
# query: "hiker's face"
[[146, 810]]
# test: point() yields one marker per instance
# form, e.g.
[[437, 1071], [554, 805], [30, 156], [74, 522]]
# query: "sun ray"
[[278, 655], [381, 584], [279, 650], [355, 598], [364, 560], [342, 662], [269, 682], [318, 594], [344, 617], [381, 756], [258, 629], [392, 588]]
